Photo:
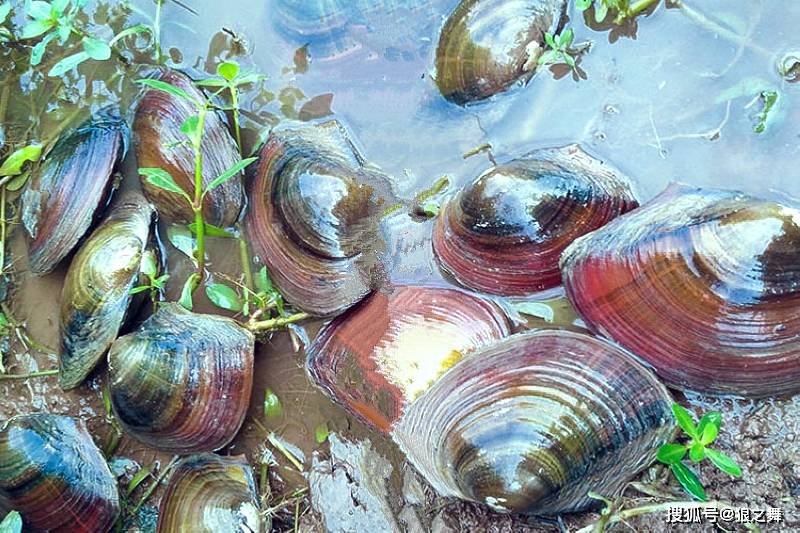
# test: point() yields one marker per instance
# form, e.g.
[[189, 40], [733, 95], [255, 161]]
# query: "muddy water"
[[673, 98]]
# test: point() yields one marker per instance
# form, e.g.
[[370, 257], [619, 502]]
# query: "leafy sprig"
[[154, 283], [622, 9], [559, 49]]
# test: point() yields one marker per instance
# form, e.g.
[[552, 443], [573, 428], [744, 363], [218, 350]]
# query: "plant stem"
[[235, 104], [157, 31], [154, 485], [244, 256], [275, 323], [2, 230], [18, 377], [639, 6], [200, 228]]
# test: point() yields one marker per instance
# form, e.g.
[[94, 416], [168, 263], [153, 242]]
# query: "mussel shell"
[[703, 284], [160, 143], [182, 381], [207, 493], [379, 356], [504, 233], [313, 217], [70, 187], [486, 46], [52, 473], [534, 422], [96, 292]]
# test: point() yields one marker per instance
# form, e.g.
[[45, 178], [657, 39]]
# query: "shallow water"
[[667, 100]]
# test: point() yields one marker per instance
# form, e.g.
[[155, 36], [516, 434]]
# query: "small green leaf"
[[38, 51], [723, 462], [566, 38], [537, 309], [137, 480], [96, 49], [272, 405], [569, 60], [12, 166], [431, 208], [321, 433], [35, 28], [58, 7], [63, 31], [186, 292], [689, 480], [228, 174], [190, 129], [600, 11], [160, 281], [263, 282], [671, 453], [550, 40], [697, 452], [224, 297], [169, 89], [67, 64], [107, 402], [708, 433], [212, 230], [181, 238], [149, 265], [550, 57], [139, 289], [163, 180], [583, 5], [12, 523], [685, 420], [211, 82], [5, 9], [228, 70], [712, 418]]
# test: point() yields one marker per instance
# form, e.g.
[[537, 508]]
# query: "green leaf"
[[212, 230], [67, 64], [671, 453], [224, 297], [137, 480], [139, 289], [212, 82], [685, 420], [228, 174], [163, 180], [190, 129], [583, 5], [133, 30], [537, 309], [58, 6], [5, 9], [160, 281], [697, 452], [63, 31], [96, 49], [181, 238], [550, 57], [149, 265], [689, 481], [38, 51], [566, 38], [186, 292], [321, 433], [723, 462], [12, 523], [600, 11], [228, 70], [569, 60], [169, 89], [263, 283], [550, 40], [712, 419], [13, 164], [272, 405], [35, 28]]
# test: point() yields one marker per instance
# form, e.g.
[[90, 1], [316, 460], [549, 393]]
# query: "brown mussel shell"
[[52, 473], [486, 46], [504, 233], [208, 493], [96, 293], [160, 143], [182, 382], [70, 187], [703, 284], [313, 217], [534, 422], [378, 357]]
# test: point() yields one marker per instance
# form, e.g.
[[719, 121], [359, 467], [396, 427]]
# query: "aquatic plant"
[[623, 9], [559, 49], [12, 523]]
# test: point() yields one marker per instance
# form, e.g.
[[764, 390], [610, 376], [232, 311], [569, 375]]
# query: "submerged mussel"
[[161, 143], [96, 293], [182, 381], [378, 357], [207, 493], [703, 284], [70, 187], [504, 232], [486, 46], [52, 473], [534, 422], [314, 210]]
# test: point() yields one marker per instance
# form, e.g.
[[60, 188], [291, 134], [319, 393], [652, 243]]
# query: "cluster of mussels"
[[698, 288]]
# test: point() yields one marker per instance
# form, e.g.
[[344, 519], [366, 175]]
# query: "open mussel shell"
[[313, 217], [52, 473], [182, 381], [70, 187], [703, 284], [160, 143], [96, 293], [486, 46], [207, 493], [534, 422], [504, 232], [379, 356]]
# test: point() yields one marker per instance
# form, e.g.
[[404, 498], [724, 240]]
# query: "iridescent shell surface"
[[532, 423], [160, 143], [70, 187], [182, 381], [487, 46], [208, 493], [52, 473], [381, 355], [504, 232], [313, 217], [96, 292], [703, 284]]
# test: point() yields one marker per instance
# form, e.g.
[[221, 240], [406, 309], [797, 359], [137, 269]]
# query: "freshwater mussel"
[[313, 217], [703, 284], [504, 232], [182, 381], [161, 143], [486, 46], [70, 188], [96, 293], [52, 473], [379, 356], [207, 493], [532, 423]]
